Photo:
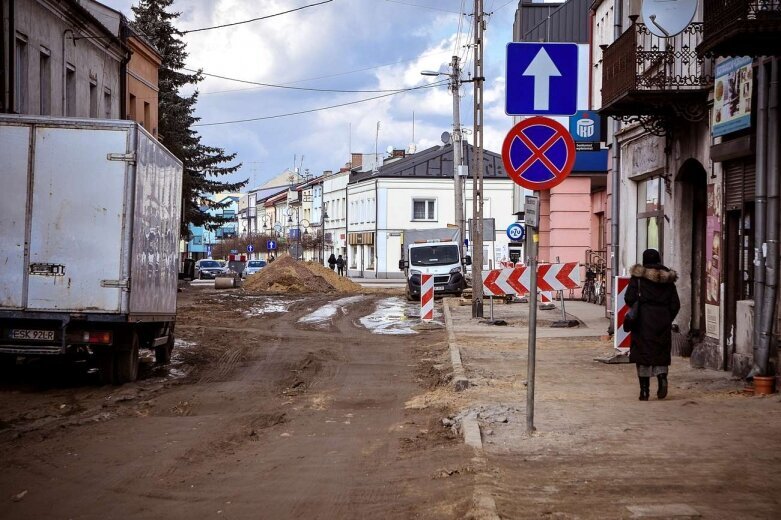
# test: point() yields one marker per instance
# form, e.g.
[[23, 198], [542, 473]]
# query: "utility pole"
[[478, 168], [455, 87]]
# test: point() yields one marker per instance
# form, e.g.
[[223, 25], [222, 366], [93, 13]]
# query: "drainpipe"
[[768, 307], [616, 169], [760, 213]]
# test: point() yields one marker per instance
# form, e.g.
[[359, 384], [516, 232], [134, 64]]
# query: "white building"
[[335, 203], [416, 192]]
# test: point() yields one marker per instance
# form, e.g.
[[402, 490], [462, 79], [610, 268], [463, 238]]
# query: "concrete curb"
[[460, 382]]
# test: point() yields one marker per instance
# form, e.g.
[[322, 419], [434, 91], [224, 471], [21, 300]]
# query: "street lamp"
[[455, 85]]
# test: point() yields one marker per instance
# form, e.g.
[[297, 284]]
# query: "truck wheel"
[[163, 352], [126, 360]]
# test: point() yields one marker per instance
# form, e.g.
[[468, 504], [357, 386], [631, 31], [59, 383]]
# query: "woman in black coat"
[[653, 285]]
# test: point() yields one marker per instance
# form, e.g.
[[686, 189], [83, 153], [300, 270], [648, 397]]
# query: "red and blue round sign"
[[538, 153]]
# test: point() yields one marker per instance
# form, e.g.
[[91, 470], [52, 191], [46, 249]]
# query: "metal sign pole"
[[531, 248], [491, 298]]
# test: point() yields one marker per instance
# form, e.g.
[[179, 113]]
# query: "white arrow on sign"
[[542, 69]]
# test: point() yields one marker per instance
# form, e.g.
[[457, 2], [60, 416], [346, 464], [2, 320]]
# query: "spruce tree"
[[203, 165]]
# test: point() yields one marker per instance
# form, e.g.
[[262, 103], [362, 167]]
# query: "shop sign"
[[732, 96], [713, 258]]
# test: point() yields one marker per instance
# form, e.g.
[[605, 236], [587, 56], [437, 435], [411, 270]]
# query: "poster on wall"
[[732, 96], [713, 257]]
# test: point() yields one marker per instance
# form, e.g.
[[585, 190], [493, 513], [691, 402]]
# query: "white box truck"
[[437, 252], [89, 220]]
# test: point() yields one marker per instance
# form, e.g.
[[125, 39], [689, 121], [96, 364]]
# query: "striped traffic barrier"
[[427, 297], [622, 339]]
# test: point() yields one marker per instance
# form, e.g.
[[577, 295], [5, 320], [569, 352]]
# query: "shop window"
[[354, 258], [650, 216]]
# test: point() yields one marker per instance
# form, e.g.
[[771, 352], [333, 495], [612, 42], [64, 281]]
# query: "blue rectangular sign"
[[542, 79]]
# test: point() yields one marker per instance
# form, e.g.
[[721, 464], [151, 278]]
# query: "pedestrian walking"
[[332, 261], [340, 265], [653, 286]]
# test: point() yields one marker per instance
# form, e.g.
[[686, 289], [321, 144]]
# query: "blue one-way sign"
[[542, 79], [271, 245]]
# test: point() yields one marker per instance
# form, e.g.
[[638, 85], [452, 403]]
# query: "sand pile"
[[286, 275]]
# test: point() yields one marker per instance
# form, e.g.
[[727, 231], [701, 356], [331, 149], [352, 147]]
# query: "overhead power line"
[[261, 84], [256, 19], [276, 116], [336, 74]]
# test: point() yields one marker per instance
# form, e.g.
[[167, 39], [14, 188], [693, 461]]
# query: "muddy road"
[[274, 407]]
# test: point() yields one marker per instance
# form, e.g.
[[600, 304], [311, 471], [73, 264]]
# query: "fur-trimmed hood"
[[658, 274]]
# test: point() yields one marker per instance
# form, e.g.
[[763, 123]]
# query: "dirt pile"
[[286, 275]]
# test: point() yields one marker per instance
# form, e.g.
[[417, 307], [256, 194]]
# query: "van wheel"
[[126, 360], [163, 352]]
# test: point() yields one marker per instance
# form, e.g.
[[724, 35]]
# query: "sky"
[[341, 45]]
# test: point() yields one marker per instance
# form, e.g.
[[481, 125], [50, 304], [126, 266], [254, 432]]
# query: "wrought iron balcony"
[[741, 28], [645, 75]]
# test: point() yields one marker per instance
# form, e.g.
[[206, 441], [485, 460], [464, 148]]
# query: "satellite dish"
[[389, 149], [445, 137], [666, 18], [412, 148]]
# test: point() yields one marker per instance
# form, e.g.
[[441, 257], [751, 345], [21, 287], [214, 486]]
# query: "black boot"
[[662, 392], [645, 388]]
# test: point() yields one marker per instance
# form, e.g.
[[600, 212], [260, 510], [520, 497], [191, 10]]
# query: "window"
[[93, 99], [70, 90], [650, 215], [107, 103], [45, 83], [424, 209], [20, 75], [132, 114], [147, 116]]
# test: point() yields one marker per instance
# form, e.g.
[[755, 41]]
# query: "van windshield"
[[256, 263], [434, 255]]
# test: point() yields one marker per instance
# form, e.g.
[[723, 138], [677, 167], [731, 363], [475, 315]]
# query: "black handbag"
[[634, 312]]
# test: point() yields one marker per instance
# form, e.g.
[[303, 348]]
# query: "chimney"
[[326, 173], [398, 153], [357, 160]]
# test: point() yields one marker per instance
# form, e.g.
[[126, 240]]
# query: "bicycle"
[[589, 290]]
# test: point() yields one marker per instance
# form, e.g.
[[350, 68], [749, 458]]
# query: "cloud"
[[347, 44]]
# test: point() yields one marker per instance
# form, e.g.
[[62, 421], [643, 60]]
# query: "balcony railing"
[[741, 27], [641, 70]]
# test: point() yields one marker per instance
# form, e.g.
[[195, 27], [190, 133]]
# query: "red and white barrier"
[[622, 339], [426, 297], [546, 297], [550, 278]]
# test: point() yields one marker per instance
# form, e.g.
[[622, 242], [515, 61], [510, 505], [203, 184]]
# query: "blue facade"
[[202, 239]]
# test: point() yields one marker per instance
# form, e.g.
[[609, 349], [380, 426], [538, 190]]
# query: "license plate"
[[439, 288], [39, 335]]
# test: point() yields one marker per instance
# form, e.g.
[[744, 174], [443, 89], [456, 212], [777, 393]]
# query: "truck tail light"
[[98, 337]]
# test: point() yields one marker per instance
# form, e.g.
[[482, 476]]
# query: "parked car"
[[208, 269], [253, 266]]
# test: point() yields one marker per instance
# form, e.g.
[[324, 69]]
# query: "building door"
[[691, 230]]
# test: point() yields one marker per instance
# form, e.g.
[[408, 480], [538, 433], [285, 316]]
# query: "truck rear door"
[[77, 216], [15, 146]]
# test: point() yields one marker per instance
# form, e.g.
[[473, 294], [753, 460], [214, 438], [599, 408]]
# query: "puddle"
[[390, 317], [270, 306], [323, 315]]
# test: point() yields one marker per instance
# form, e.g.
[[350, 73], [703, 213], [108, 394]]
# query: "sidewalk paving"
[[708, 450]]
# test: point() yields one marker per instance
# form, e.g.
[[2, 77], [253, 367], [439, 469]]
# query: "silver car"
[[253, 266]]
